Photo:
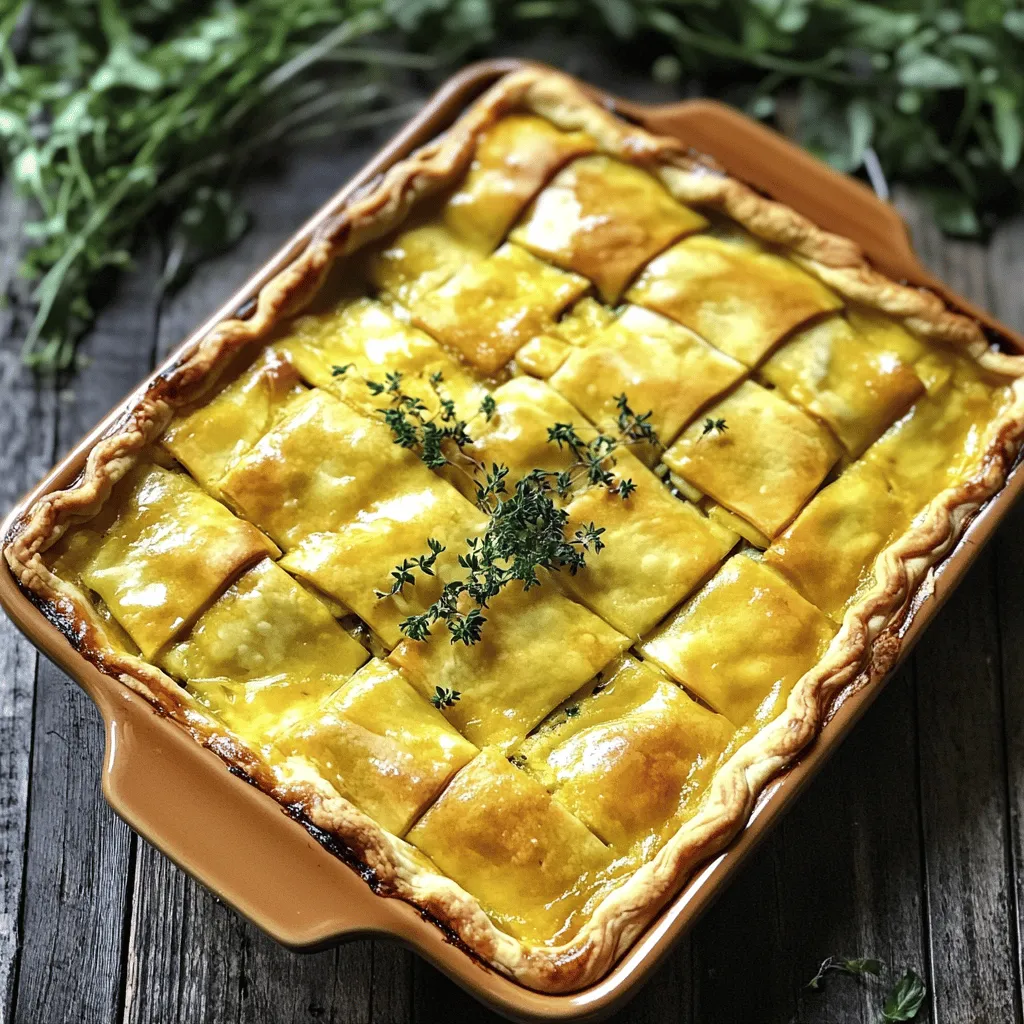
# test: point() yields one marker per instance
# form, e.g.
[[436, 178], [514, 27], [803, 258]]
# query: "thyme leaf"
[[444, 697]]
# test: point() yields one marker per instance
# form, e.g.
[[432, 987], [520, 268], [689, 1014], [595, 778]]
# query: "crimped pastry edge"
[[863, 650]]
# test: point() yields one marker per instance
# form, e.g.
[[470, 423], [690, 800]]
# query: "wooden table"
[[908, 846]]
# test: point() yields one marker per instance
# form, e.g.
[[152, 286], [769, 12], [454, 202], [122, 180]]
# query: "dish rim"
[[683, 908]]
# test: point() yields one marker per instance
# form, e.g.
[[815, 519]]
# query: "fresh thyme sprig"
[[711, 426], [444, 697], [439, 438], [845, 965], [526, 526], [525, 533]]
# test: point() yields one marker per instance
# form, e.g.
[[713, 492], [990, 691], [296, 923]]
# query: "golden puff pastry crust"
[[560, 921], [761, 456], [380, 744], [538, 647], [604, 219], [628, 758], [738, 296], [665, 368]]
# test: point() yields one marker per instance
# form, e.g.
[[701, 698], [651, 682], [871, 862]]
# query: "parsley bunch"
[[118, 116]]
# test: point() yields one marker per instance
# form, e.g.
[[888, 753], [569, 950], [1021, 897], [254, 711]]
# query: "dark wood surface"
[[907, 847]]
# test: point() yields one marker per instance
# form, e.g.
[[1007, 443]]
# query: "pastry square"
[[886, 334], [160, 549], [740, 297], [632, 758], [503, 838], [363, 341], [354, 563], [514, 159], [541, 356], [489, 309], [660, 366], [934, 364], [757, 455], [381, 746], [829, 550], [536, 648], [263, 652], [657, 549], [604, 219], [584, 321], [856, 388], [208, 438], [742, 642], [418, 259], [318, 468], [941, 439], [265, 625], [516, 434]]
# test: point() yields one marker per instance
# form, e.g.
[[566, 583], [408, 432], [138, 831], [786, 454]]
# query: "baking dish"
[[693, 899]]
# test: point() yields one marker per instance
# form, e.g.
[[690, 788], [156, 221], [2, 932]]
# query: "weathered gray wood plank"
[[79, 854], [1009, 560], [974, 969], [850, 847], [244, 976], [1006, 271], [740, 970], [840, 875], [27, 423], [974, 955], [191, 958]]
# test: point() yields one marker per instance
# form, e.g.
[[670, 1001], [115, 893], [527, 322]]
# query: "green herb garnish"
[[526, 529], [845, 965], [444, 697], [120, 118], [711, 426], [906, 998]]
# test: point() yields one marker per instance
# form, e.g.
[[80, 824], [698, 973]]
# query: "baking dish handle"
[[225, 832]]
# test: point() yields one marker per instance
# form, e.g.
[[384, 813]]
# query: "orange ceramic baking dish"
[[181, 798]]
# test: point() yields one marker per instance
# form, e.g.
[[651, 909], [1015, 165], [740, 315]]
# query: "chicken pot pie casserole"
[[533, 520]]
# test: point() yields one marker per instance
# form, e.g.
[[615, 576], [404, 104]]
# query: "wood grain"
[[79, 854], [1006, 269], [27, 421], [974, 956]]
